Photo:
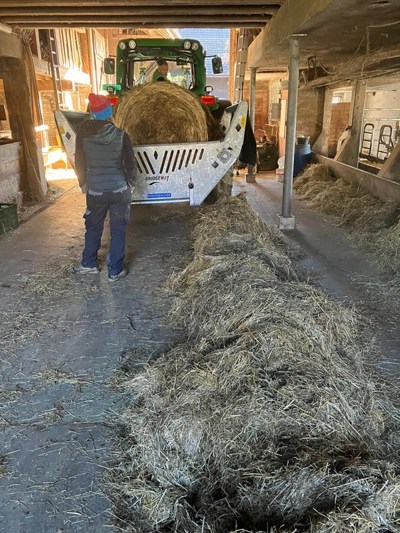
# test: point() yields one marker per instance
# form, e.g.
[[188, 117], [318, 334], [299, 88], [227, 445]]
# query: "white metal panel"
[[176, 172]]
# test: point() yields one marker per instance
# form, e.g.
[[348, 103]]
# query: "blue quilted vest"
[[103, 153]]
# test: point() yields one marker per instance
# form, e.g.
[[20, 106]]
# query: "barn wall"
[[10, 172]]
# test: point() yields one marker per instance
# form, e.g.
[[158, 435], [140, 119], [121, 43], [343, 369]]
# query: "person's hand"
[[84, 189]]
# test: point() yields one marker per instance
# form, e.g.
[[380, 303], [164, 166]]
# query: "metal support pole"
[[250, 176], [92, 60], [286, 220], [252, 110]]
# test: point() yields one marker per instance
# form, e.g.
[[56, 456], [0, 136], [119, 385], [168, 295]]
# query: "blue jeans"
[[119, 205]]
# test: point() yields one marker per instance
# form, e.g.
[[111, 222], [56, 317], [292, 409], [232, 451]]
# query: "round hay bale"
[[160, 113], [215, 132]]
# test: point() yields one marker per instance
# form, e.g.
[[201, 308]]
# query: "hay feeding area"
[[159, 113], [373, 223], [266, 419]]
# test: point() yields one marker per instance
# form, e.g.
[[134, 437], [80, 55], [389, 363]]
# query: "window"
[[337, 98], [138, 72]]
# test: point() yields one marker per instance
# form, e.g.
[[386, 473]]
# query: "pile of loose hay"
[[159, 113], [373, 223], [214, 129], [266, 419]]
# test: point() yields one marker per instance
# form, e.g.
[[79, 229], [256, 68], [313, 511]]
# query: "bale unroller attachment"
[[182, 172]]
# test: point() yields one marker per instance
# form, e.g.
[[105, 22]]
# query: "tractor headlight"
[[132, 44], [187, 45], [122, 45], [195, 46]]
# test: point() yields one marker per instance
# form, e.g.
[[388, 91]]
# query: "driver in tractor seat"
[[162, 71]]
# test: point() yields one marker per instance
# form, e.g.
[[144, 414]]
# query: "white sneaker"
[[122, 274], [80, 269]]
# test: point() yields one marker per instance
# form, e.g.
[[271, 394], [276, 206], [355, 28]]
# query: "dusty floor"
[[62, 338], [59, 182], [60, 341]]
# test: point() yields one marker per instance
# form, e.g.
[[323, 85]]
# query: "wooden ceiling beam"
[[111, 20], [33, 4], [66, 10], [144, 25]]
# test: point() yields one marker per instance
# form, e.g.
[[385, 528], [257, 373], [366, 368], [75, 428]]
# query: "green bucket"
[[8, 217]]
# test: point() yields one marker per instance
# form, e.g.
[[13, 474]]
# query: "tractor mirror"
[[109, 65], [217, 65]]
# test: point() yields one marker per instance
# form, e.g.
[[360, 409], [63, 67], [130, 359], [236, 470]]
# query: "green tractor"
[[136, 63], [191, 172]]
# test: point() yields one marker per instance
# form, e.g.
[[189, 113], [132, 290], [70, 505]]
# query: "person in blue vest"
[[106, 169]]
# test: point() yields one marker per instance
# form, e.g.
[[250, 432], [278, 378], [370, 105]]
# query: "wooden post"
[[16, 87], [321, 145], [349, 153], [391, 168]]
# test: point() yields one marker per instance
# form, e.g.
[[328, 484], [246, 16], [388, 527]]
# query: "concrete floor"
[[62, 338]]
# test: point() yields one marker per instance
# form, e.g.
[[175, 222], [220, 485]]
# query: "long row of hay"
[[266, 419], [375, 224]]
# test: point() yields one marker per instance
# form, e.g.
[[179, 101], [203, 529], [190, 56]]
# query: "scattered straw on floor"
[[55, 375], [267, 418], [55, 280], [22, 319]]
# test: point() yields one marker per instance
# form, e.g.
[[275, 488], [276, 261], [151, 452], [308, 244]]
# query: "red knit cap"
[[98, 102]]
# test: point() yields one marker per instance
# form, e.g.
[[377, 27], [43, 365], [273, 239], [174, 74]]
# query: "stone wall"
[[4, 124], [262, 102], [339, 122], [310, 113], [10, 173]]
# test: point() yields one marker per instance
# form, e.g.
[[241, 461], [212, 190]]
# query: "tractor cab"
[[140, 61]]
